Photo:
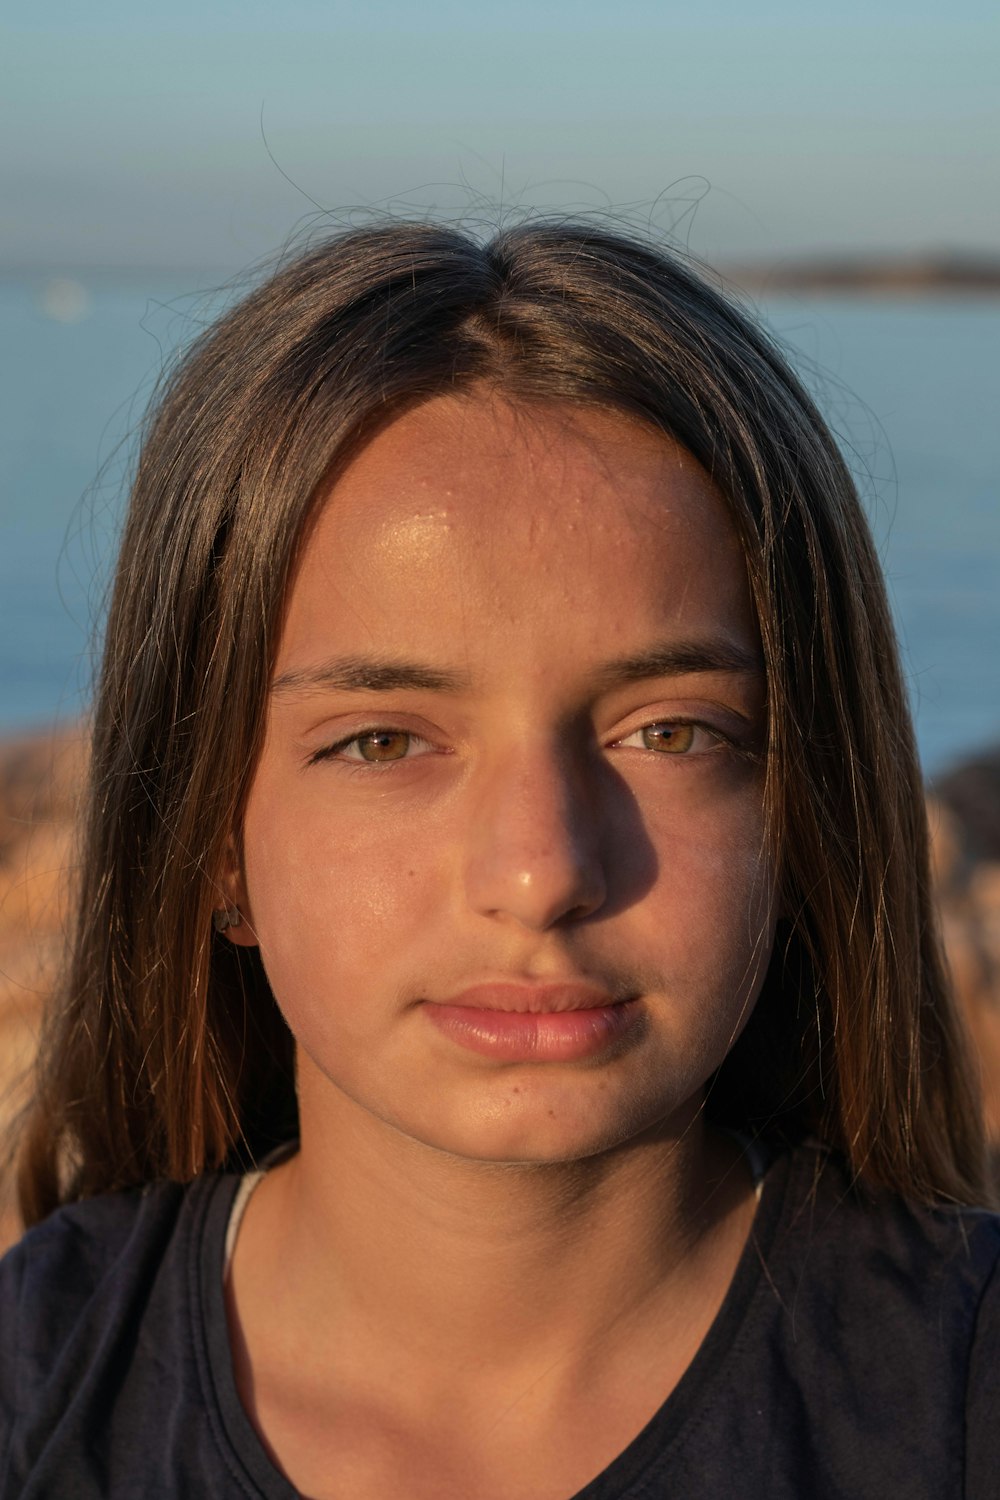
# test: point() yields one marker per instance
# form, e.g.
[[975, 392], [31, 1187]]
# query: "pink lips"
[[534, 1023]]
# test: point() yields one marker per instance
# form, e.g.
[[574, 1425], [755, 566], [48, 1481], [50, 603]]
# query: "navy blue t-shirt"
[[857, 1354]]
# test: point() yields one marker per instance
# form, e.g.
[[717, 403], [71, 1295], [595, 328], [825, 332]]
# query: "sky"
[[202, 134]]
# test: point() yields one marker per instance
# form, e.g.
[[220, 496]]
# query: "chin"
[[545, 1131]]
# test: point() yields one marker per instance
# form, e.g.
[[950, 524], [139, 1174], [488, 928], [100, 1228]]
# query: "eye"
[[668, 737], [375, 747]]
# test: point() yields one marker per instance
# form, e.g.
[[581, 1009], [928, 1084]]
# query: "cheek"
[[707, 935], [325, 892], [715, 895]]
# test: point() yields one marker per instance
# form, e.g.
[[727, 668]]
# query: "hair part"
[[165, 1053]]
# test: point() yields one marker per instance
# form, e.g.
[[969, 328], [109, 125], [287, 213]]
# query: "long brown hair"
[[165, 1053]]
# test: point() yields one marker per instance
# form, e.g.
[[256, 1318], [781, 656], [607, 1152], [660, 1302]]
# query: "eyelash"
[[717, 738], [336, 751]]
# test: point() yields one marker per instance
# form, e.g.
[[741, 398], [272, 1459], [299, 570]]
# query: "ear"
[[231, 914]]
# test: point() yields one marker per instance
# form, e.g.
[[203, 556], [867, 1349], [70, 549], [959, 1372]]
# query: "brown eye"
[[672, 739], [383, 744]]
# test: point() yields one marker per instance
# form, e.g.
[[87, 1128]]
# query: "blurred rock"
[[965, 828], [40, 782], [971, 793]]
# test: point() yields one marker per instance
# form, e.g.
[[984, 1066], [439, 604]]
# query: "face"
[[503, 852]]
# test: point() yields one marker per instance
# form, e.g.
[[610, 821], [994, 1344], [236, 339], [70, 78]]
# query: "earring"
[[228, 916]]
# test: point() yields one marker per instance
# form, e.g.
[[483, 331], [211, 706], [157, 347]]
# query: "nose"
[[534, 846]]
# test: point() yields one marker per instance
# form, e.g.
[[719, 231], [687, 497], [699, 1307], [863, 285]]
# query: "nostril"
[[556, 886], [534, 848]]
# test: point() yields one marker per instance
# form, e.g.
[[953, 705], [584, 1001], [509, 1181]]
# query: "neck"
[[377, 1232]]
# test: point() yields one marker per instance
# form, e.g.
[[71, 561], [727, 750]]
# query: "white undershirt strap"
[[246, 1187]]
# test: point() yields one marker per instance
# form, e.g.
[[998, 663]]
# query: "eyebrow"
[[368, 674], [680, 658], [380, 675]]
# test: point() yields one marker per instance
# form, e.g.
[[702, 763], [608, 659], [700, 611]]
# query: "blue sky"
[[752, 130]]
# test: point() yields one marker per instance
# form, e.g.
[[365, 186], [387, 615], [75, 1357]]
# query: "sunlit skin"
[[513, 763]]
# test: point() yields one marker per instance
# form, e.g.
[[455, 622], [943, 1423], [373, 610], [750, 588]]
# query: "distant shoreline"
[[945, 273], [889, 276]]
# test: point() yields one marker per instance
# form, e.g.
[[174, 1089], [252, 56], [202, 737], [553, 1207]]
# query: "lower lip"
[[546, 1036]]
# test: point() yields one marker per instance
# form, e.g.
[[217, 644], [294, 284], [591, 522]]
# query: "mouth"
[[553, 1022], [549, 998]]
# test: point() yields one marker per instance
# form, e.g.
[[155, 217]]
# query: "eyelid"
[[335, 750], [420, 744], [675, 721]]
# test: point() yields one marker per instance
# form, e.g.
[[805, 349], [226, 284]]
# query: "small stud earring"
[[228, 916]]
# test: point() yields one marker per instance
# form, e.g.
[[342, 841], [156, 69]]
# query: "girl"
[[504, 805]]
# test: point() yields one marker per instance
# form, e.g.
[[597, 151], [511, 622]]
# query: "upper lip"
[[532, 998]]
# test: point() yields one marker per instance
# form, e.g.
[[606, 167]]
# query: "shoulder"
[[63, 1263], [86, 1288], [86, 1235], [837, 1243], [851, 1229], [886, 1314], [855, 1355]]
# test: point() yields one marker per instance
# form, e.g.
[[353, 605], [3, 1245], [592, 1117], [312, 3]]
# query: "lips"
[[553, 1022], [533, 999]]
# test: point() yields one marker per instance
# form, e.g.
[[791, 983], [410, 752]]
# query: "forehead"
[[472, 514]]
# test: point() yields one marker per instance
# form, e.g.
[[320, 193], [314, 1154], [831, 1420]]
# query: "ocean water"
[[910, 388]]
